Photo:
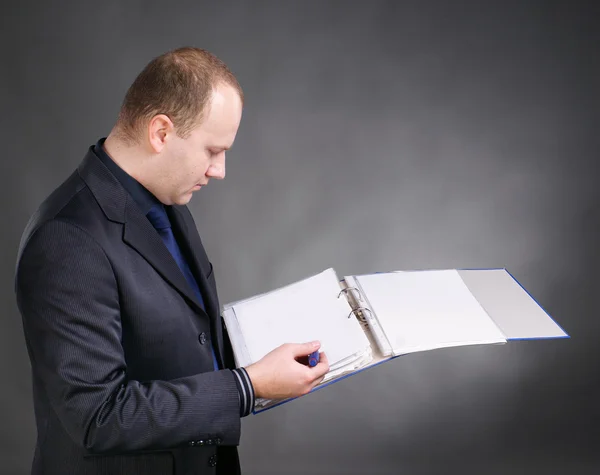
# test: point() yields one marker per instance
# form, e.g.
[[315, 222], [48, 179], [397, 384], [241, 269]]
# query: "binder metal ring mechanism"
[[360, 299], [357, 309], [361, 317]]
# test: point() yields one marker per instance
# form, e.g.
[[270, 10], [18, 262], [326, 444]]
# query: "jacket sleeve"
[[69, 301]]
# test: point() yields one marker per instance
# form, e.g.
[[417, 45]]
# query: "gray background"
[[376, 136]]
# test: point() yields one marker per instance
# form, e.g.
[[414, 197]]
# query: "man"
[[131, 364]]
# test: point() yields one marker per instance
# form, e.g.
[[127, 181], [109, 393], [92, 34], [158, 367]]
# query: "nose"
[[217, 168]]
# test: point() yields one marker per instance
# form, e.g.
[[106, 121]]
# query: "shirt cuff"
[[246, 390]]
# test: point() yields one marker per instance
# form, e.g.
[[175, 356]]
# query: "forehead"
[[223, 116]]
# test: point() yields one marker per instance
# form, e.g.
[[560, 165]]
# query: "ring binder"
[[473, 307], [361, 316], [360, 299]]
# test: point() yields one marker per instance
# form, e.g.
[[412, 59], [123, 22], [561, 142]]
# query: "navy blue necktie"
[[160, 220]]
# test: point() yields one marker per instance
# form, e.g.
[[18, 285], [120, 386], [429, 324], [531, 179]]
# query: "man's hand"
[[280, 374]]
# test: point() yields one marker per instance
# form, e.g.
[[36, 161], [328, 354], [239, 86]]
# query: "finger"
[[304, 349]]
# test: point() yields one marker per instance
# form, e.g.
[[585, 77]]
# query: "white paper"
[[423, 310]]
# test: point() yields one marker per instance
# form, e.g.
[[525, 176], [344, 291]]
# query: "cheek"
[[201, 165], [193, 173], [177, 177]]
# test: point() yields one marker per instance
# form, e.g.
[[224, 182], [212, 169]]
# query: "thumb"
[[303, 349]]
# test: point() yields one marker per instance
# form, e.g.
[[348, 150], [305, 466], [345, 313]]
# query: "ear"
[[160, 129]]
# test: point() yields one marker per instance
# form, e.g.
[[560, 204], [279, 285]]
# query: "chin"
[[183, 200]]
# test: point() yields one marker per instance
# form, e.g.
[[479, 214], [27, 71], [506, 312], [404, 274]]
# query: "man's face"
[[188, 164]]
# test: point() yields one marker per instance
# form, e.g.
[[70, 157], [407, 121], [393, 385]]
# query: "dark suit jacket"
[[123, 379]]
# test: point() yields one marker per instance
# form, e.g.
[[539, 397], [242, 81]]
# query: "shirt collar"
[[144, 199]]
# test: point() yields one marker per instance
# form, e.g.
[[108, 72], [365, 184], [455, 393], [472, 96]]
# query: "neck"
[[130, 158]]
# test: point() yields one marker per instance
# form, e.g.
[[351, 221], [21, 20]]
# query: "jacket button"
[[212, 461], [202, 338]]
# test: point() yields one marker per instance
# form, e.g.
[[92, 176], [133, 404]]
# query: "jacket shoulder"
[[71, 201]]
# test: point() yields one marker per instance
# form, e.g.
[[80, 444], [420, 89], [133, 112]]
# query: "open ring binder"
[[396, 313]]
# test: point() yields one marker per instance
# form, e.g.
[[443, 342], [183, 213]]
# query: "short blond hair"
[[178, 84]]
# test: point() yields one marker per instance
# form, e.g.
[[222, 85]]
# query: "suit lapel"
[[189, 240], [141, 235]]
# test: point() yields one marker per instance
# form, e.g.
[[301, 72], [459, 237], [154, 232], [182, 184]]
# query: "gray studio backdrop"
[[376, 136]]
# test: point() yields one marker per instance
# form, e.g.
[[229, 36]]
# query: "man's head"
[[178, 118]]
